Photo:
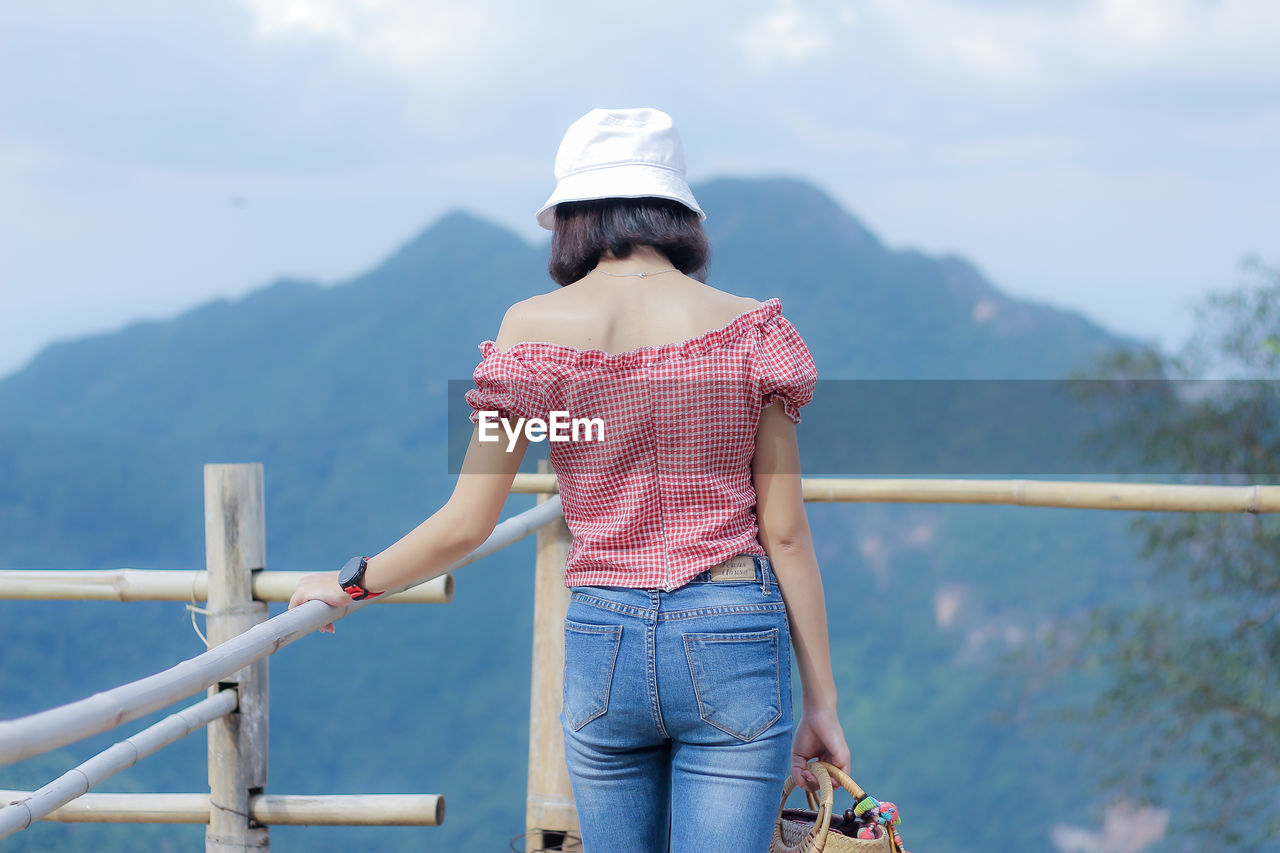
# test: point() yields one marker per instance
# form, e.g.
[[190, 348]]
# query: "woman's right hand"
[[321, 586], [818, 735]]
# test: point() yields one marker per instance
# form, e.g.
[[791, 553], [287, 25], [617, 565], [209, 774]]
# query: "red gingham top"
[[668, 493]]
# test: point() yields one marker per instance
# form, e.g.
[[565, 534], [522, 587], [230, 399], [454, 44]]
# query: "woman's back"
[[676, 375]]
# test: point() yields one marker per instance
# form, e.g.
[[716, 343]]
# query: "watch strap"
[[351, 578]]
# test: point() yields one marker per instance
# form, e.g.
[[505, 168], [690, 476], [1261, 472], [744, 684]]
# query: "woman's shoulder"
[[522, 322], [735, 304]]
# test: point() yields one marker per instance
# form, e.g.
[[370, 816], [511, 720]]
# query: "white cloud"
[[1027, 44], [786, 35], [426, 40]]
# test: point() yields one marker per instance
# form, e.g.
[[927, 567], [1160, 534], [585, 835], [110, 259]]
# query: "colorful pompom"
[[866, 805]]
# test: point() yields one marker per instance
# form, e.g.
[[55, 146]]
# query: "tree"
[[1190, 664]]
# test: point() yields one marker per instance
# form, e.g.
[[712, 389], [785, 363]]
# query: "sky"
[[1113, 157]]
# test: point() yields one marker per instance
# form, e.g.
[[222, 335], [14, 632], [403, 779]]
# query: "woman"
[[692, 567]]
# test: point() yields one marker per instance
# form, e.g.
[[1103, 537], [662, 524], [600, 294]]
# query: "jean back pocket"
[[736, 680], [590, 652]]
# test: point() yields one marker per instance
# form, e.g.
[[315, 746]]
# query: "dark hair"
[[585, 229]]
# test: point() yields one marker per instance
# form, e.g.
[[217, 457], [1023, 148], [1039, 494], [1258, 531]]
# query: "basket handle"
[[855, 790], [843, 780], [825, 801]]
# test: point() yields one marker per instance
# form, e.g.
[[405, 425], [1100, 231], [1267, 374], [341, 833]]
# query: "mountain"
[[873, 312], [866, 310], [221, 369], [341, 391]]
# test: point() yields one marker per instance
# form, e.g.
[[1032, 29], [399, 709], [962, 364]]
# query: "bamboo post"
[[549, 810], [235, 547]]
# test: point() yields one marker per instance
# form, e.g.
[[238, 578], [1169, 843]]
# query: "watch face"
[[350, 570]]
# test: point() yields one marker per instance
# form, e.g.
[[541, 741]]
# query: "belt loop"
[[761, 566]]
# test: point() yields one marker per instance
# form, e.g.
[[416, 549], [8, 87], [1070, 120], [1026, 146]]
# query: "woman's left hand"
[[321, 586], [818, 735]]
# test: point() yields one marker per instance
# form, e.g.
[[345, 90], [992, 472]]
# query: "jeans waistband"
[[744, 568]]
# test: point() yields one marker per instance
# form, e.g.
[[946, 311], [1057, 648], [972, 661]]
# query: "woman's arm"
[[454, 530], [448, 535], [458, 527], [784, 533]]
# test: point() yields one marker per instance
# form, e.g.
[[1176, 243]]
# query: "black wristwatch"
[[351, 579]]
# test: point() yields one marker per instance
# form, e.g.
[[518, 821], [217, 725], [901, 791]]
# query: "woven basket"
[[798, 833]]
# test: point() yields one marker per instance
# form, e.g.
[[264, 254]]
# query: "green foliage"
[[1192, 682]]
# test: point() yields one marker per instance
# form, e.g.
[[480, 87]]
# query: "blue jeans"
[[677, 714]]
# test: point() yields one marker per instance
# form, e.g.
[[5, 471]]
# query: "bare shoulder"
[[588, 319], [732, 304], [514, 325], [529, 320]]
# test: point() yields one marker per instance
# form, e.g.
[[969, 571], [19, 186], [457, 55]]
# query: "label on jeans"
[[735, 569]]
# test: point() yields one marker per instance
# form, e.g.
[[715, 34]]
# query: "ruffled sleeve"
[[783, 367], [507, 384]]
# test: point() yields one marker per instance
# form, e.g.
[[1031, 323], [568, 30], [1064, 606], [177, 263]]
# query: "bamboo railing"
[[177, 585], [1157, 497], [79, 780], [266, 809], [234, 669]]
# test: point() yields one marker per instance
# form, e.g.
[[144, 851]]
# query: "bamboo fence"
[[34, 734], [234, 669]]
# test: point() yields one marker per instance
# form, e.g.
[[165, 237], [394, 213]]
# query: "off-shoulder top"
[[667, 493]]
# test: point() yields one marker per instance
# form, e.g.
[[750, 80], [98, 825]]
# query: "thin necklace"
[[633, 274]]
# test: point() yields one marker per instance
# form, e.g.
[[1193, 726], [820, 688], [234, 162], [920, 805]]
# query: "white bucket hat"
[[619, 154]]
